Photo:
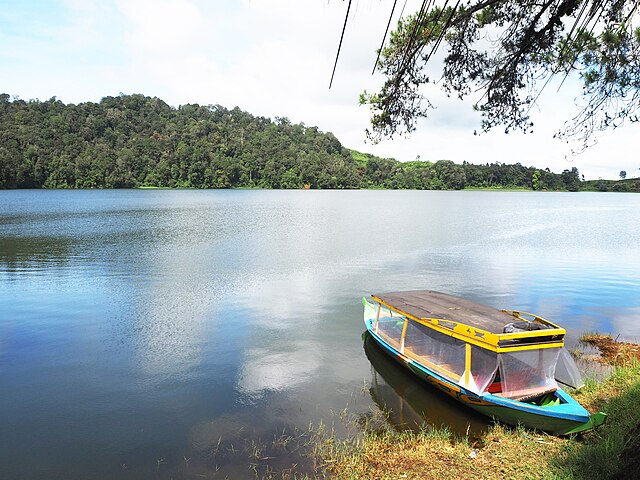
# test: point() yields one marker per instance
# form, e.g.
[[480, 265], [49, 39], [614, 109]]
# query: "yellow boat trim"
[[404, 333], [467, 363], [482, 338]]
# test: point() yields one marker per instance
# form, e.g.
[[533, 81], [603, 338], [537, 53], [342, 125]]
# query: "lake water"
[[176, 334]]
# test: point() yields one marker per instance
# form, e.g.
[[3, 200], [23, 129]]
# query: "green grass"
[[504, 452], [360, 158], [613, 449], [500, 188]]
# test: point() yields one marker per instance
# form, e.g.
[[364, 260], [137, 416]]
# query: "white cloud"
[[86, 28], [163, 27]]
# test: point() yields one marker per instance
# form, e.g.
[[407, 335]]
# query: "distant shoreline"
[[136, 141], [466, 189]]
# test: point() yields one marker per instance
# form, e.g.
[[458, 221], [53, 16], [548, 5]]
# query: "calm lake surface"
[[170, 334]]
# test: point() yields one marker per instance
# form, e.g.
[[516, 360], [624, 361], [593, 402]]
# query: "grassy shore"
[[611, 451], [499, 189]]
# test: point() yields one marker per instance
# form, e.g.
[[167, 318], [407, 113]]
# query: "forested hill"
[[133, 140]]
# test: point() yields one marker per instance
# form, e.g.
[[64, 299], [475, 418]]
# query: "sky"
[[271, 58]]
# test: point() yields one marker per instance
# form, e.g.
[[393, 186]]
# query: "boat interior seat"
[[527, 393]]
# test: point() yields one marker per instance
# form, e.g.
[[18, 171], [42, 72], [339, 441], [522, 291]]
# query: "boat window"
[[528, 371], [484, 364], [390, 328], [444, 354]]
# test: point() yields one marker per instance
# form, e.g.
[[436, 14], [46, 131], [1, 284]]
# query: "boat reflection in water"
[[411, 404]]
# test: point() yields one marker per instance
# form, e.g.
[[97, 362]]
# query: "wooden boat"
[[505, 364]]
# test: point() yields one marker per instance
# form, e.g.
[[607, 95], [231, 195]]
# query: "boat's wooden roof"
[[430, 304]]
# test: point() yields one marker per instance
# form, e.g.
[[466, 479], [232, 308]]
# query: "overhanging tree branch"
[[597, 40]]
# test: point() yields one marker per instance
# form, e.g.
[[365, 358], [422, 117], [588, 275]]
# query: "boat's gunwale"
[[483, 338]]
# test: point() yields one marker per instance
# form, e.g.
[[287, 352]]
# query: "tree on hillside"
[[535, 180], [449, 175], [571, 179], [504, 52]]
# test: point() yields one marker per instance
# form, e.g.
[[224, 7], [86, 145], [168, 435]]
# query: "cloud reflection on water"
[[264, 369]]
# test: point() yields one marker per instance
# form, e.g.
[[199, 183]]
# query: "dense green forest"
[[134, 140]]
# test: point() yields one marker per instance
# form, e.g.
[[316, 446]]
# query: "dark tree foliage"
[[133, 140], [505, 52]]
